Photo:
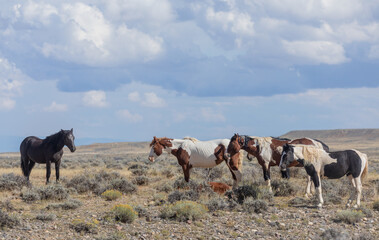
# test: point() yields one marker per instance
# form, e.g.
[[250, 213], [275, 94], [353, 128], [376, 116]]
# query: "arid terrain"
[[77, 208]]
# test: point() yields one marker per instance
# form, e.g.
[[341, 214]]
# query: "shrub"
[[217, 203], [8, 220], [69, 204], [124, 213], [375, 205], [111, 195], [11, 181], [141, 180], [348, 216], [30, 195], [251, 205], [184, 210], [142, 212], [245, 191], [138, 169], [55, 191], [180, 183], [7, 205], [114, 236], [333, 233], [298, 201], [165, 188], [123, 185], [82, 226], [186, 195], [83, 183], [45, 217], [282, 188]]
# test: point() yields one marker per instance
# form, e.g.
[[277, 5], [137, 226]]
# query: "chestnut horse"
[[268, 152], [192, 153]]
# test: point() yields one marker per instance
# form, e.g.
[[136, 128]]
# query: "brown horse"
[[268, 152], [192, 153]]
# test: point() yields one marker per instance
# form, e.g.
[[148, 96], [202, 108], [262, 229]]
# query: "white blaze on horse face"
[[152, 154], [283, 168]]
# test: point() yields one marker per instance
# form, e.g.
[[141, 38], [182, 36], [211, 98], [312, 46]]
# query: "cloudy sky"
[[128, 70]]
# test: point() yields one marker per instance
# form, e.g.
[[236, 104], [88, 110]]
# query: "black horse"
[[35, 150]]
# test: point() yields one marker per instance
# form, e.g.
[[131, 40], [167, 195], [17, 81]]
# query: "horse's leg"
[[30, 167], [317, 182], [48, 170], [308, 190], [358, 186], [186, 171], [266, 175], [57, 166], [233, 167], [208, 174], [352, 191]]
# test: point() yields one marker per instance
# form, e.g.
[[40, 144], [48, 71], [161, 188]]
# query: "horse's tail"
[[365, 170], [24, 165]]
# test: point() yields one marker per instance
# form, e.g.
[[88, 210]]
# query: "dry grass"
[[164, 177]]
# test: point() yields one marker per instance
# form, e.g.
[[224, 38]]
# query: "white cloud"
[[374, 52], [11, 82], [6, 103], [125, 114], [316, 52], [134, 96], [152, 100], [56, 107], [95, 99], [211, 115], [35, 13], [233, 21]]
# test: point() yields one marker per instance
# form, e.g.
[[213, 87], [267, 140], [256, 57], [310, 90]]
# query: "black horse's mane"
[[281, 138], [54, 138]]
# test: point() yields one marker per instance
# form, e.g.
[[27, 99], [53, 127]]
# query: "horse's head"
[[68, 139], [234, 144], [157, 146], [287, 157]]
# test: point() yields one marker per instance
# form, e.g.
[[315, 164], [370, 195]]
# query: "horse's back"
[[202, 153], [29, 147]]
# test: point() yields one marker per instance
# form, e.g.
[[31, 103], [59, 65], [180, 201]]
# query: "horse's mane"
[[324, 146], [310, 153], [281, 138], [165, 139], [263, 142], [191, 139], [54, 138]]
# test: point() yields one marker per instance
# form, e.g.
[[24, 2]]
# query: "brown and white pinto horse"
[[268, 152], [192, 153]]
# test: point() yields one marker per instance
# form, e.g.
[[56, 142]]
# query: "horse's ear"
[[72, 130], [155, 138]]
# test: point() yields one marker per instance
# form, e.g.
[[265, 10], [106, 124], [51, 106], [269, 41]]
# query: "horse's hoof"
[[319, 205], [355, 206]]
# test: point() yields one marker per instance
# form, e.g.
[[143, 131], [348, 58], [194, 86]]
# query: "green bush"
[[54, 191], [80, 225], [69, 204], [45, 217], [245, 191], [282, 188], [30, 195], [184, 210], [11, 181], [141, 180], [111, 195], [124, 213], [257, 206], [216, 203], [348, 216], [8, 220]]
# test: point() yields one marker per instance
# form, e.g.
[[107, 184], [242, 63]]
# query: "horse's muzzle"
[[151, 159], [73, 149]]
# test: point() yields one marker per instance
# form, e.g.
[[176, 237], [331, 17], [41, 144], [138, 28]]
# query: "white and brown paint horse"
[[192, 153], [333, 165], [268, 151]]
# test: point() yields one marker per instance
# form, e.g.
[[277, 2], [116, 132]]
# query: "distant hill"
[[365, 140], [337, 134]]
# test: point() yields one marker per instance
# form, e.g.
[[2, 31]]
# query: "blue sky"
[[129, 70]]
